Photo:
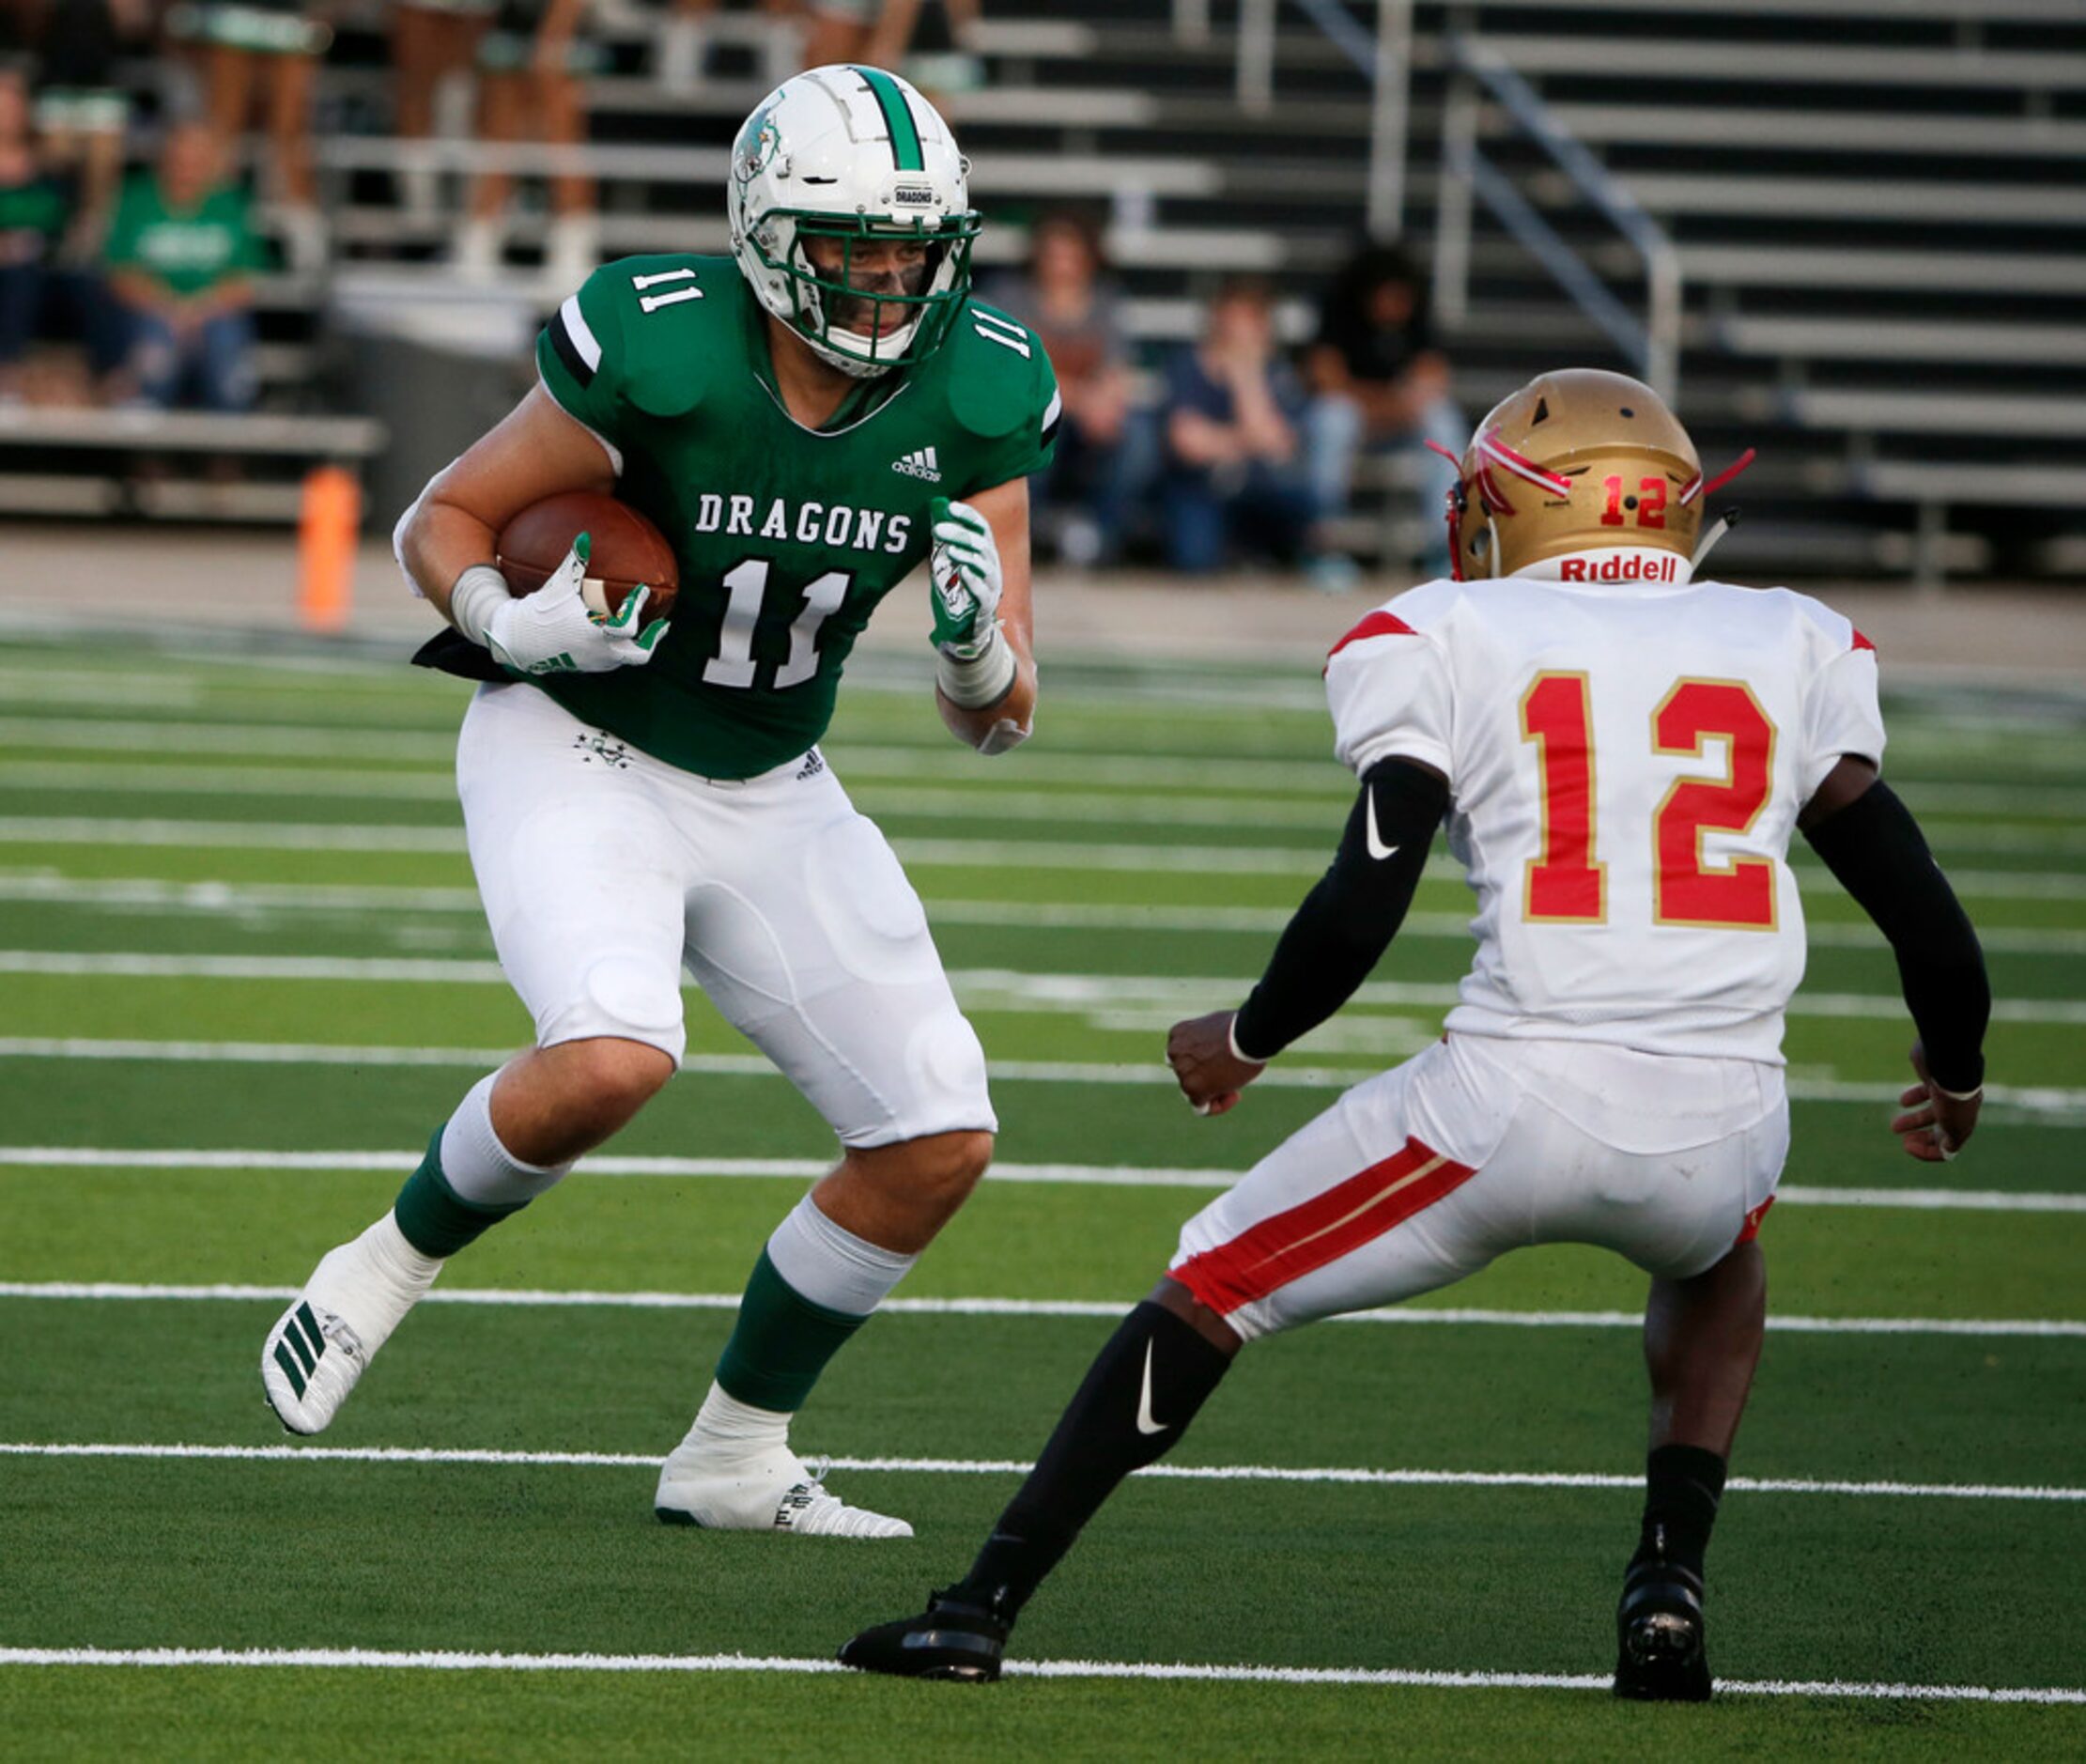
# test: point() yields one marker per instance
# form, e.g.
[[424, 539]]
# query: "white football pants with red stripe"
[[1480, 1145]]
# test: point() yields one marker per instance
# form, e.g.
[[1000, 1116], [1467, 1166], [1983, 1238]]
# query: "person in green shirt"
[[180, 261], [806, 422], [32, 216]]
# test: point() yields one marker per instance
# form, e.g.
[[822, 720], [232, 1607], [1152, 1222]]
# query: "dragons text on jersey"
[[787, 536]]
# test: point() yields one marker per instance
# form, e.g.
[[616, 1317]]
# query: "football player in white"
[[806, 422], [1622, 753]]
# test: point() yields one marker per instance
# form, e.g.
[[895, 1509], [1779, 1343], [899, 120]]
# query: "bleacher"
[[1875, 205]]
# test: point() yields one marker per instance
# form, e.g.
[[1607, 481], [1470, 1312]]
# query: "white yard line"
[[1043, 854], [979, 988], [806, 1169], [1389, 1677], [999, 802], [126, 1291], [249, 740], [1331, 1476], [2053, 1104], [379, 900]]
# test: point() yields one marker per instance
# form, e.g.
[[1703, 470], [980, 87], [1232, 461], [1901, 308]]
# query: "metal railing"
[[1384, 56], [1651, 343]]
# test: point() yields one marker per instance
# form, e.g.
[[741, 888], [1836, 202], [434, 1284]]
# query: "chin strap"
[[1724, 522], [1456, 502]]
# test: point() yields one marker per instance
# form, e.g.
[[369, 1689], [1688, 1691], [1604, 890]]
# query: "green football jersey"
[[787, 536]]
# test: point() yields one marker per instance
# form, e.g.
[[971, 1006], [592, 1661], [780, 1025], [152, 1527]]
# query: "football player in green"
[[806, 422]]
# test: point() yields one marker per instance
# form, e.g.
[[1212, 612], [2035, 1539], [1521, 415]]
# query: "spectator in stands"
[[684, 43], [1234, 476], [431, 41], [32, 216], [1380, 385], [262, 54], [932, 42], [532, 64], [81, 112], [1105, 453], [180, 258]]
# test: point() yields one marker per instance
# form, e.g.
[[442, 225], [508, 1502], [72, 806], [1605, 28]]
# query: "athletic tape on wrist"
[[975, 682], [477, 594]]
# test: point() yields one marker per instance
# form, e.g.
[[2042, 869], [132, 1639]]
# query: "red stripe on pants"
[[1289, 1245]]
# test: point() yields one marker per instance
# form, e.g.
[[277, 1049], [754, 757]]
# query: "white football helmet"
[[851, 153]]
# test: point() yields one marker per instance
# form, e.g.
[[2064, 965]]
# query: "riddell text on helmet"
[[1621, 567]]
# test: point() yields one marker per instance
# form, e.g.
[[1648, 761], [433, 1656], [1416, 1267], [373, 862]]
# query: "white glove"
[[552, 631], [975, 664]]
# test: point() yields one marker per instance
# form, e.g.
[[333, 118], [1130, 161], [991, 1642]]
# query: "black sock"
[[1682, 1487], [1101, 1439]]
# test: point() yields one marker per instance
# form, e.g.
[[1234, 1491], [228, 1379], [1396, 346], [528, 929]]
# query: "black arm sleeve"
[[1874, 848], [1348, 920]]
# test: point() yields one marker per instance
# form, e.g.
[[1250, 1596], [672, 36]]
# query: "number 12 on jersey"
[[1567, 885]]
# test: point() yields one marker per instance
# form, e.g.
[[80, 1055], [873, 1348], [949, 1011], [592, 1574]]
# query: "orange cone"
[[326, 537]]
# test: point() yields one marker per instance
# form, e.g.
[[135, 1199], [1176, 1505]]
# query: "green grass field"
[[245, 976]]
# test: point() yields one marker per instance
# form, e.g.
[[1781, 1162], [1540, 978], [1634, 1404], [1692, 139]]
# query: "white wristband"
[[1958, 1097], [1238, 1053], [479, 593], [974, 682]]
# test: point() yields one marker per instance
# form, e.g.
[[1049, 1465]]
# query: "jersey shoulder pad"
[[1000, 378], [664, 327], [1416, 613], [1824, 632]]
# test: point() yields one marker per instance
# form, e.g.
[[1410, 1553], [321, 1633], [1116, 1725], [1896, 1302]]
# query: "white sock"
[[398, 1258], [478, 1168], [726, 1428], [831, 1266]]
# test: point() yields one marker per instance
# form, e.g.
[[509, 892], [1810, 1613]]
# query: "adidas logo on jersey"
[[920, 463]]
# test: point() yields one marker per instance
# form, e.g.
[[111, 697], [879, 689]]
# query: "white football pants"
[[604, 871], [1479, 1145]]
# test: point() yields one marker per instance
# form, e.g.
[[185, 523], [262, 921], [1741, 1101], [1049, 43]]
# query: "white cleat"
[[770, 1491], [321, 1345]]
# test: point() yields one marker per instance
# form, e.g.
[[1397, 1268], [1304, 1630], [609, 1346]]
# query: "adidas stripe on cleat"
[[322, 1344]]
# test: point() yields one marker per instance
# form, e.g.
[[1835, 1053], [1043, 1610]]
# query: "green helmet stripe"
[[898, 119]]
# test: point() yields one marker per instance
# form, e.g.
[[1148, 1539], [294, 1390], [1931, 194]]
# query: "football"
[[627, 549]]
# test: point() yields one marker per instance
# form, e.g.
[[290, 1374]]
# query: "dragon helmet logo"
[[757, 145]]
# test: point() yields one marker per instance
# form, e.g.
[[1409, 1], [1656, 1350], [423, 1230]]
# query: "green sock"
[[781, 1343], [434, 1218]]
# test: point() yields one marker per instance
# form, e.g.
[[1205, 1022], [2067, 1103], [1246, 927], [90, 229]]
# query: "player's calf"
[[1148, 1384]]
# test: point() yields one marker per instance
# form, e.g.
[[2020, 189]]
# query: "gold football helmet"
[[1574, 461]]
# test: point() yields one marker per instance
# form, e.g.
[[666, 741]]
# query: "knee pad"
[[627, 995]]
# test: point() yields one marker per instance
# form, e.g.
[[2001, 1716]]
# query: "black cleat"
[[951, 1639], [1660, 1655]]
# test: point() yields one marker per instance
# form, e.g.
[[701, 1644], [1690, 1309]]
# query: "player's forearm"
[[1875, 848], [994, 728], [438, 542], [1347, 919]]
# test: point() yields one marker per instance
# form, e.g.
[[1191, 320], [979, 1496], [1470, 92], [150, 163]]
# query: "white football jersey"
[[1626, 761]]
